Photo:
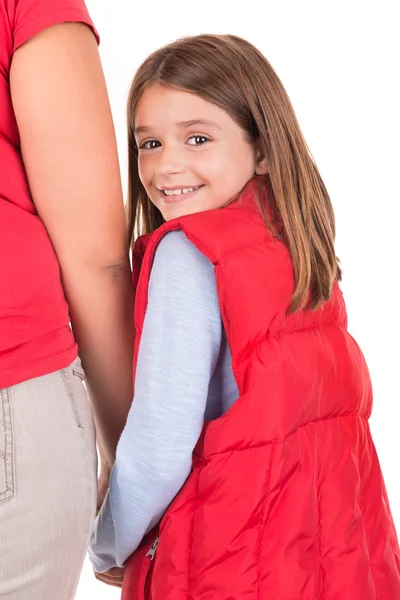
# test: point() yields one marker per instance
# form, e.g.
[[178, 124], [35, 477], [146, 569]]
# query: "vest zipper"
[[153, 549]]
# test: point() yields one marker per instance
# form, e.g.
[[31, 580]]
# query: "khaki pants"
[[48, 484]]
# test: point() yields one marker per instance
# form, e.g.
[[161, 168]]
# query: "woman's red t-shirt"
[[35, 335]]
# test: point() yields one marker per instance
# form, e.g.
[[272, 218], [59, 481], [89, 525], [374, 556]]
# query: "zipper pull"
[[153, 549]]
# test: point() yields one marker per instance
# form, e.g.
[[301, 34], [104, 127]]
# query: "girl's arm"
[[178, 353], [69, 149]]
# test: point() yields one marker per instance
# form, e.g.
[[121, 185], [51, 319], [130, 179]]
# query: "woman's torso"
[[35, 336]]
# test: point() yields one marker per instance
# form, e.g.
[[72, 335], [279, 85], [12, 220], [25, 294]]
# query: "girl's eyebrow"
[[192, 122], [183, 124], [141, 129]]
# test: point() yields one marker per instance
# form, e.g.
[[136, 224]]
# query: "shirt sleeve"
[[178, 353], [33, 16]]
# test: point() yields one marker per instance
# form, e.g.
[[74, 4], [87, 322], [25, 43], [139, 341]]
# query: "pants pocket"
[[73, 377], [7, 479], [77, 370]]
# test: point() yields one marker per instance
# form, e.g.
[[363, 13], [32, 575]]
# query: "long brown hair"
[[233, 74]]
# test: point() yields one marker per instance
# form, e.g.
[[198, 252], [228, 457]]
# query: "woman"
[[63, 257]]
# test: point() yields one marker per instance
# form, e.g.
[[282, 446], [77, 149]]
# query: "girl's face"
[[192, 155]]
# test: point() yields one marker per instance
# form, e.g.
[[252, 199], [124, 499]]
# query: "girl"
[[246, 468]]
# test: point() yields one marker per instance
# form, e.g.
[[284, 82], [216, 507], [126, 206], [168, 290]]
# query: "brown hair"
[[233, 74]]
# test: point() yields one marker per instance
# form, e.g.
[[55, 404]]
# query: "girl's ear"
[[261, 167]]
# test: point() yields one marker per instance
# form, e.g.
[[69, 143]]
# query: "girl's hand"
[[112, 577]]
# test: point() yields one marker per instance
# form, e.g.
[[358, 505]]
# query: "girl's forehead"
[[160, 105]]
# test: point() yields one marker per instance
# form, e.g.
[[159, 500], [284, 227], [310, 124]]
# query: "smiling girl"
[[246, 469]]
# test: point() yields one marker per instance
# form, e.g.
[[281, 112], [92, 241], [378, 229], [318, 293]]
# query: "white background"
[[339, 62]]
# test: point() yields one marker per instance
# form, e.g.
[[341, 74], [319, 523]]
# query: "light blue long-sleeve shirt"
[[183, 376]]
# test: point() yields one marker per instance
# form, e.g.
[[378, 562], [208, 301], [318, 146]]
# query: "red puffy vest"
[[285, 500]]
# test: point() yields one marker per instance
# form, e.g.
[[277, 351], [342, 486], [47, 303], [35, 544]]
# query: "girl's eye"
[[197, 140], [149, 145]]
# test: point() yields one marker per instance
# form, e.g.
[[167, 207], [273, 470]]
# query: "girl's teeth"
[[179, 192]]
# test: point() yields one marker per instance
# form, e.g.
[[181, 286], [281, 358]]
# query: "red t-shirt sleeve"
[[32, 16]]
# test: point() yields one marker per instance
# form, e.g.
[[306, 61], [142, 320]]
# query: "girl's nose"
[[170, 162]]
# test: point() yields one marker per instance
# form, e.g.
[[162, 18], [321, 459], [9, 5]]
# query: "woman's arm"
[[69, 149]]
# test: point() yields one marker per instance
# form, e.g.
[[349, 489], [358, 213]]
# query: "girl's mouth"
[[178, 194]]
